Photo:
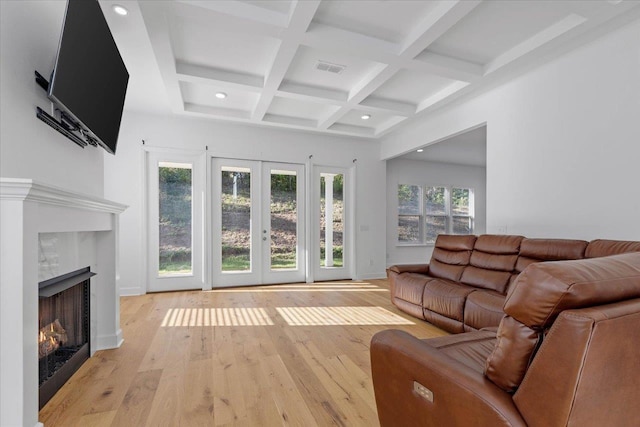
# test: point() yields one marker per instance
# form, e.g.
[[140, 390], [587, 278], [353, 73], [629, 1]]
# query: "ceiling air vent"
[[330, 67]]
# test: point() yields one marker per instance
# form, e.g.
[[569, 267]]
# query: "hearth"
[[63, 338]]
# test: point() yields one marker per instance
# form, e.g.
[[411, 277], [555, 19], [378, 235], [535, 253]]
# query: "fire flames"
[[50, 338]]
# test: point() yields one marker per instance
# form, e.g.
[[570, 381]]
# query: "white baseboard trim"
[[372, 276], [130, 292], [107, 342]]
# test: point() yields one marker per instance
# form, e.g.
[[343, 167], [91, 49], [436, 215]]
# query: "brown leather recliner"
[[567, 353]]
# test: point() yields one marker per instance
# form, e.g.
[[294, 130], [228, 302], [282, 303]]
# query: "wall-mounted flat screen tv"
[[89, 81]]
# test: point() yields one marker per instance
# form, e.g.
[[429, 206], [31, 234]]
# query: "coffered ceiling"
[[327, 65]]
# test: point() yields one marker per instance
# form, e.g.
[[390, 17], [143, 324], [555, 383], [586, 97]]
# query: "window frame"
[[449, 215]]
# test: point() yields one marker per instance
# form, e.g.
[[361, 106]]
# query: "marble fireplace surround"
[[30, 213]]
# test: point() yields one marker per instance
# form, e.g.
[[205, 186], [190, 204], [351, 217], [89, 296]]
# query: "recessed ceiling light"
[[120, 10], [221, 95], [365, 116], [419, 150]]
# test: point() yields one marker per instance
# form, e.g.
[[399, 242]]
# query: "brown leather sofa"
[[566, 353], [464, 286]]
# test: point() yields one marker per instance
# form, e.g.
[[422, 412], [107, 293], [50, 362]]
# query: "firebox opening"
[[63, 336]]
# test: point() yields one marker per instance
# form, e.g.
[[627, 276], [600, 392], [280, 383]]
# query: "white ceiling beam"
[[379, 75], [303, 124], [241, 10], [221, 113], [440, 95], [311, 93], [388, 105], [301, 16], [339, 99], [155, 19], [543, 37], [216, 77], [365, 87], [393, 121], [276, 73], [445, 66], [270, 120], [288, 120], [444, 16], [352, 129], [205, 16], [325, 38]]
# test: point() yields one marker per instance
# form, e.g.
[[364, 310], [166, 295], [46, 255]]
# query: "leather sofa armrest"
[[461, 396], [410, 268]]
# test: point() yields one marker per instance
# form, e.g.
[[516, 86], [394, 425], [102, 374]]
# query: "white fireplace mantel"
[[27, 209]]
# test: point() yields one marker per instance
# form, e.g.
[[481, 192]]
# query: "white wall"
[[124, 177], [563, 143], [29, 34], [401, 171]]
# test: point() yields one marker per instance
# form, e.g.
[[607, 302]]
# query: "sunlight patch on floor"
[[216, 317], [293, 316], [325, 316]]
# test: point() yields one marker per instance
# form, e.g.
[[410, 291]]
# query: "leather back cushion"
[[510, 358], [541, 292], [485, 278], [492, 261], [599, 248], [450, 256], [498, 244], [452, 242], [536, 250]]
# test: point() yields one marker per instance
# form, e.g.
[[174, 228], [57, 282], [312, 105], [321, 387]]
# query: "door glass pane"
[[236, 219], [284, 218], [331, 220], [175, 194]]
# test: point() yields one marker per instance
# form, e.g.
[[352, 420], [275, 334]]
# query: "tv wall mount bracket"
[[66, 125]]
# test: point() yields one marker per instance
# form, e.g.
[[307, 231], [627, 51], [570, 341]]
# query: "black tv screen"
[[89, 81]]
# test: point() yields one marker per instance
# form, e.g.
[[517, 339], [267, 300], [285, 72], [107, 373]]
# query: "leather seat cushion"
[[410, 287], [471, 349], [483, 309], [446, 298]]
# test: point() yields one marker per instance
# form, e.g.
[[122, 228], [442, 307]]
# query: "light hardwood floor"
[[260, 356]]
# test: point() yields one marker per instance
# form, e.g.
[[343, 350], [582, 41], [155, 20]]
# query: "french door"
[[258, 223], [175, 186]]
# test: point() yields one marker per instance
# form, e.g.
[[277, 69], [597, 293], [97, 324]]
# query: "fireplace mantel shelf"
[[29, 190]]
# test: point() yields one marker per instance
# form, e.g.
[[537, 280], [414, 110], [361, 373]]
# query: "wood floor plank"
[[98, 419], [136, 404], [285, 394], [259, 356]]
